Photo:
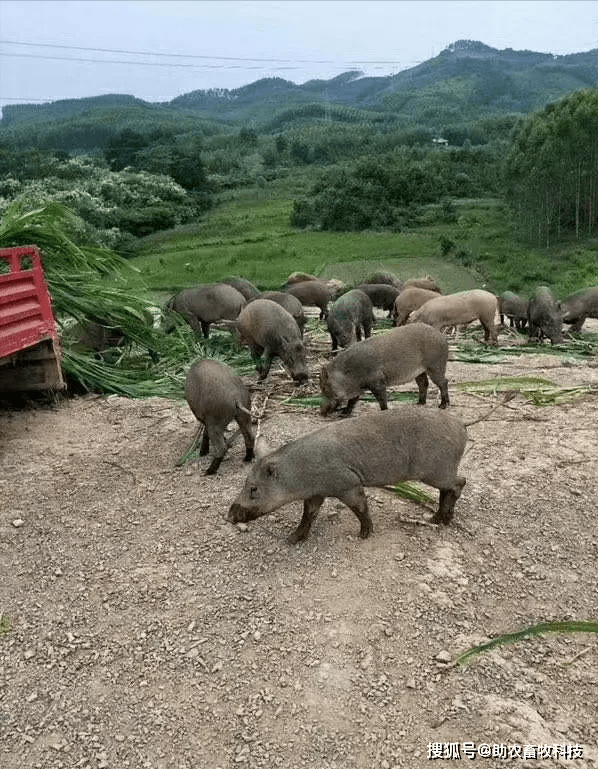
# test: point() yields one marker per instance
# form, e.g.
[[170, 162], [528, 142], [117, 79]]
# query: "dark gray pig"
[[290, 303], [382, 295], [207, 304], [350, 316], [216, 395], [544, 316], [514, 307], [380, 449], [242, 285], [270, 331], [385, 277], [393, 357], [579, 306], [312, 293]]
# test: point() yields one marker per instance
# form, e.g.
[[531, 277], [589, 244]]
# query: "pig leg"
[[349, 407], [356, 501], [311, 507], [205, 443], [448, 497], [216, 434], [422, 384], [244, 422], [205, 329], [442, 383], [378, 390], [194, 322]]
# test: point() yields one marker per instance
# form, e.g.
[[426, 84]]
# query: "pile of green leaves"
[[88, 283]]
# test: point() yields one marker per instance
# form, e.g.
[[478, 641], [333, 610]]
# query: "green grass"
[[251, 236], [568, 626]]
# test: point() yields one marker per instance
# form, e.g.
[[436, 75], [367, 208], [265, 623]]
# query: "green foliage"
[[111, 204], [567, 626], [552, 170]]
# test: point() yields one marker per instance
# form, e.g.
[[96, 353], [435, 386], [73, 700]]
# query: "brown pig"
[[216, 395], [409, 300], [406, 443], [393, 357], [312, 293], [460, 309]]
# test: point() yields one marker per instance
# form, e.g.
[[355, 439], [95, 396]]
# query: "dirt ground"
[[140, 629]]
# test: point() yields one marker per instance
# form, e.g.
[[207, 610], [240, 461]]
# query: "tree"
[[551, 170], [123, 150]]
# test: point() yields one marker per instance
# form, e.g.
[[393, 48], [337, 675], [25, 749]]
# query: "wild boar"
[[350, 316], [99, 337], [270, 331], [382, 295], [460, 309], [312, 293], [385, 277], [393, 357], [290, 303], [207, 304], [339, 460], [299, 277], [514, 307], [244, 286], [408, 301], [579, 306], [544, 316], [427, 282], [216, 395]]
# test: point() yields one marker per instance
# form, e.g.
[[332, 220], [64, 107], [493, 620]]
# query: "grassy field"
[[249, 234]]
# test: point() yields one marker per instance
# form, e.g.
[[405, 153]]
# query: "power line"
[[186, 55], [136, 63]]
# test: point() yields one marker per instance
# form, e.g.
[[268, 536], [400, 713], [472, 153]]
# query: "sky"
[[159, 49]]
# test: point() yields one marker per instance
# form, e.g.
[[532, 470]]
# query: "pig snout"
[[300, 377], [240, 514]]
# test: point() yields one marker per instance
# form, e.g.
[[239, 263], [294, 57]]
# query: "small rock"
[[242, 527], [18, 522], [444, 657]]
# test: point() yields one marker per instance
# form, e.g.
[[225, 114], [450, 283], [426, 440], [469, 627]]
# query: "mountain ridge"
[[501, 79]]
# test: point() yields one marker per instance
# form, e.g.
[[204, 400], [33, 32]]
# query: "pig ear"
[[262, 447]]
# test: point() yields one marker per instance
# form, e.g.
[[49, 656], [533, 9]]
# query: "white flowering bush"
[[114, 205]]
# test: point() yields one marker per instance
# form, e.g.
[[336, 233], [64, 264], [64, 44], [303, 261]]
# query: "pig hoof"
[[366, 531], [296, 537]]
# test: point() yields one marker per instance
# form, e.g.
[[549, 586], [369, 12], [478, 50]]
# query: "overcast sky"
[[157, 50]]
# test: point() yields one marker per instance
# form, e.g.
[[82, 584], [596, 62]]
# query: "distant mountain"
[[467, 80]]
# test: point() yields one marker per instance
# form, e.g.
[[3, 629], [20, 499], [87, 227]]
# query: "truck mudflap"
[[30, 343]]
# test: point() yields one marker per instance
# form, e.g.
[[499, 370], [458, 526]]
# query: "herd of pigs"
[[385, 448]]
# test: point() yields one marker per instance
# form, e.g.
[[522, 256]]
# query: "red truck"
[[30, 343]]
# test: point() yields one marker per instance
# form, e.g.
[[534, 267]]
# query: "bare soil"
[[140, 629]]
